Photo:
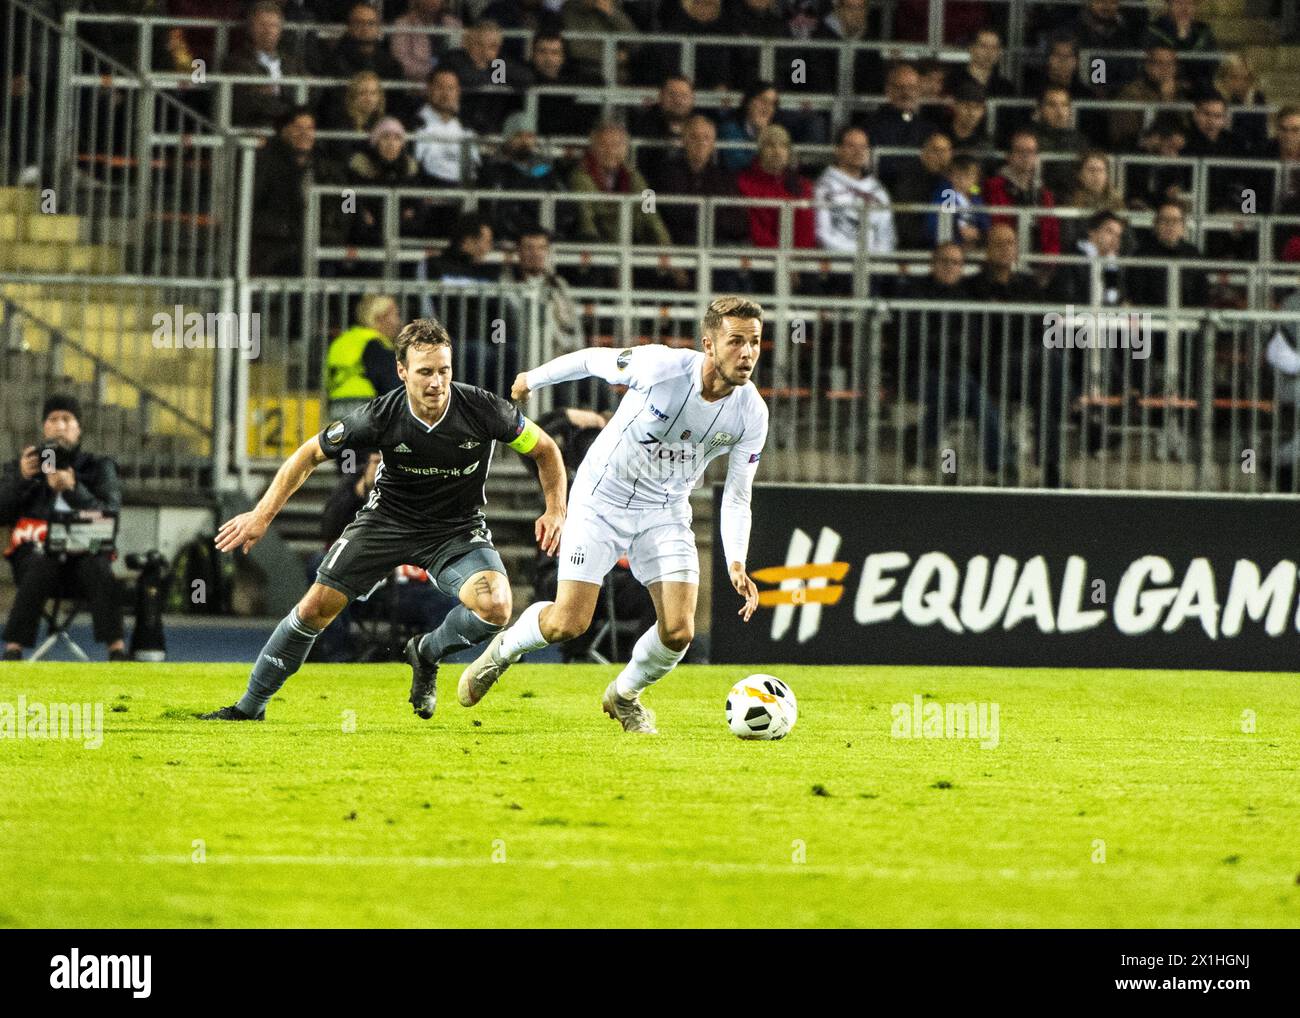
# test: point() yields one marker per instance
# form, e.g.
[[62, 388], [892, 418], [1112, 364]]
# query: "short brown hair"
[[421, 332], [729, 307]]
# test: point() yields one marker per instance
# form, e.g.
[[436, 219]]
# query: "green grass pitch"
[[1113, 798]]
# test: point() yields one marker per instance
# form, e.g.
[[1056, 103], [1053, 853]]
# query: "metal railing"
[[151, 386]]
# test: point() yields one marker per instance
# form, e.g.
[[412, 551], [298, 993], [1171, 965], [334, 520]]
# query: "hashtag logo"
[[804, 583]]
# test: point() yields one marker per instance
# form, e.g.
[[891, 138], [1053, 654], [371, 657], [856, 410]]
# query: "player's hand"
[[61, 480], [29, 464], [242, 531], [746, 588], [548, 528], [520, 391]]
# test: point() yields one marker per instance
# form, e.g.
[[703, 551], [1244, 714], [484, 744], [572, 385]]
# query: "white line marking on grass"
[[707, 866]]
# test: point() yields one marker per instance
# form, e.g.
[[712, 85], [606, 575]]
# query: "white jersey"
[[664, 434]]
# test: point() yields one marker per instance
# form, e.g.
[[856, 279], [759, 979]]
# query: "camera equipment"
[[148, 643], [55, 451]]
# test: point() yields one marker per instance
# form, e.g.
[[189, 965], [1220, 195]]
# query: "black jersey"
[[431, 475]]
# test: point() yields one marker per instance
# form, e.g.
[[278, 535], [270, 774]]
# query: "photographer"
[[58, 476]]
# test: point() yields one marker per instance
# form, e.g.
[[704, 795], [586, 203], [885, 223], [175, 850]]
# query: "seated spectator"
[[1149, 185], [288, 164], [1060, 69], [361, 360], [846, 22], [360, 48], [1209, 134], [519, 166], [604, 169], [939, 377], [1072, 283], [701, 19], [562, 114], [985, 51], [1149, 287], [384, 162], [1100, 25], [967, 128], [1285, 148], [1158, 83], [1056, 133], [31, 492], [663, 122], [962, 204], [1235, 80], [444, 147], [1092, 190], [418, 53], [999, 282], [1179, 29], [532, 264], [755, 19], [536, 16], [1017, 185], [605, 17], [262, 53], [772, 175], [757, 111], [849, 195], [479, 65], [916, 184], [696, 171], [360, 108], [465, 258], [898, 123]]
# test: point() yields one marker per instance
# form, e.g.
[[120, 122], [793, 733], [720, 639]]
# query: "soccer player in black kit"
[[437, 438]]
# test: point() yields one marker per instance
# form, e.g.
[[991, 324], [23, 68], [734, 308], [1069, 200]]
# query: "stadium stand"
[[224, 159]]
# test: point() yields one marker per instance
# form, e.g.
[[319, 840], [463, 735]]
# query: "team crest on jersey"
[[469, 443], [722, 438], [686, 434], [334, 432], [624, 358]]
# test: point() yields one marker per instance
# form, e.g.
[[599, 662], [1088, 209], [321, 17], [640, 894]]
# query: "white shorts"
[[659, 543]]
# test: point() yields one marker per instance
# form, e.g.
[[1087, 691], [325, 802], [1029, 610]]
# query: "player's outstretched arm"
[[635, 366], [246, 529]]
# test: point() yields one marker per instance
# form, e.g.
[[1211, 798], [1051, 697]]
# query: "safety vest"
[[346, 365]]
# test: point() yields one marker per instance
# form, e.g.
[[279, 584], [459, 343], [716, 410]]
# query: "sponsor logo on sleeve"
[[624, 358], [334, 433], [754, 457]]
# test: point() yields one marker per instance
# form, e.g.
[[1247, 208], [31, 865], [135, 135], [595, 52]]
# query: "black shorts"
[[371, 547]]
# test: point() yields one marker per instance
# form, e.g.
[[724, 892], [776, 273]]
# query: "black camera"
[[56, 453]]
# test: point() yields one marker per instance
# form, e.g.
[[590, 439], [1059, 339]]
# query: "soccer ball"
[[761, 707]]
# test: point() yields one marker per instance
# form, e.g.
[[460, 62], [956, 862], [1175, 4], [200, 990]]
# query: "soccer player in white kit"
[[631, 495]]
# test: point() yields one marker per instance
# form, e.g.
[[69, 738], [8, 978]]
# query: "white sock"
[[525, 634], [651, 660]]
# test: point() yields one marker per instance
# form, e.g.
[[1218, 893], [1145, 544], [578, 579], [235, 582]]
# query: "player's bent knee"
[[496, 610], [560, 627], [678, 637], [321, 605]]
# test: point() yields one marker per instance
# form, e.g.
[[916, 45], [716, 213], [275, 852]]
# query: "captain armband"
[[528, 436]]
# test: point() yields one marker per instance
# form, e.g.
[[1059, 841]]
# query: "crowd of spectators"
[[447, 111]]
